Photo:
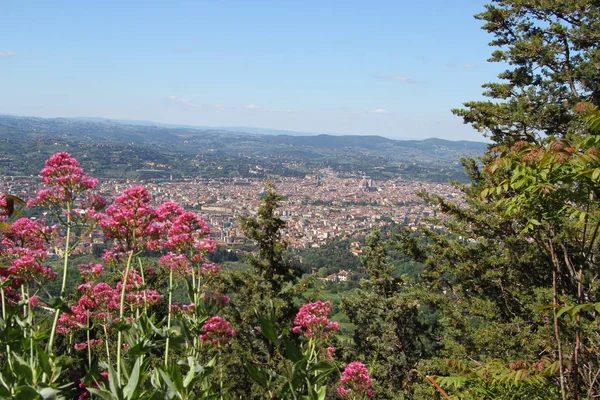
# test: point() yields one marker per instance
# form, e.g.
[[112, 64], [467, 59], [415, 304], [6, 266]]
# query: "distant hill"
[[192, 151], [238, 129]]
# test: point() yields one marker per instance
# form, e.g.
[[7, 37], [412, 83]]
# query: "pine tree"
[[551, 50]]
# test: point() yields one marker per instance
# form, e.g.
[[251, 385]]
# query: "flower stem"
[[8, 355], [169, 316], [121, 314], [64, 278], [106, 341], [89, 349]]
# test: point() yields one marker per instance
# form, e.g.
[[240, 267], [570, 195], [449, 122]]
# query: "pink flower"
[[210, 270], [218, 298], [80, 346], [128, 221], [4, 211], [24, 251], [34, 301], [328, 353], [355, 382], [65, 179], [178, 263], [312, 320], [186, 231], [218, 331], [91, 272]]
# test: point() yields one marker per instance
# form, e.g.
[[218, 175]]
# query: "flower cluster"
[[65, 180], [216, 298], [129, 221], [313, 321], [178, 263], [4, 208], [92, 343], [356, 382], [100, 302], [187, 232], [135, 293], [218, 331], [184, 308], [23, 245], [91, 272], [210, 270]]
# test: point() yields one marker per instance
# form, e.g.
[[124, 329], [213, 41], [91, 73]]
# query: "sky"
[[393, 68]]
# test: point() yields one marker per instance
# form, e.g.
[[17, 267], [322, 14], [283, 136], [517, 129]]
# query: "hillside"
[[124, 149]]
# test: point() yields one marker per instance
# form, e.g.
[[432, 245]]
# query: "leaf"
[[191, 373], [169, 382], [103, 394], [44, 360], [257, 374], [26, 392], [121, 326], [175, 373], [49, 393], [321, 392], [113, 382], [322, 366], [58, 303], [267, 327], [292, 351], [134, 380]]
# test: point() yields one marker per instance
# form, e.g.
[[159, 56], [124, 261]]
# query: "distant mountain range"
[[237, 129], [189, 151]]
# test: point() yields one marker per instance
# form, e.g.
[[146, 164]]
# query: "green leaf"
[[292, 351], [257, 374], [26, 392], [49, 393], [267, 327], [175, 373], [134, 380], [44, 360], [191, 373], [167, 380], [58, 303], [103, 394], [121, 326], [113, 382]]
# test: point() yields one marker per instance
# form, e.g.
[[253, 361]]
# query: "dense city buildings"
[[316, 208]]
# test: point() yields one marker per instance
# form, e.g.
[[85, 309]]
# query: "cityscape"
[[316, 208]]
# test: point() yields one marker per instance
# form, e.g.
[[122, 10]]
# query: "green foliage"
[[550, 48], [497, 380]]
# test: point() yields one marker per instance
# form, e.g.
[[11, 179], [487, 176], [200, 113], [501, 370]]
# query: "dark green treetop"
[[551, 50]]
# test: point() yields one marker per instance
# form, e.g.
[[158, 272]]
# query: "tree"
[[265, 230], [528, 237], [389, 329], [554, 188], [551, 48], [261, 298]]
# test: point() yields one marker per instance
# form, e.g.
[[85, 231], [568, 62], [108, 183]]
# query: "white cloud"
[[254, 107], [176, 99], [7, 54], [469, 65], [380, 111], [399, 78]]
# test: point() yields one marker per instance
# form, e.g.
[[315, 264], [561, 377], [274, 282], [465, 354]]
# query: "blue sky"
[[393, 68]]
